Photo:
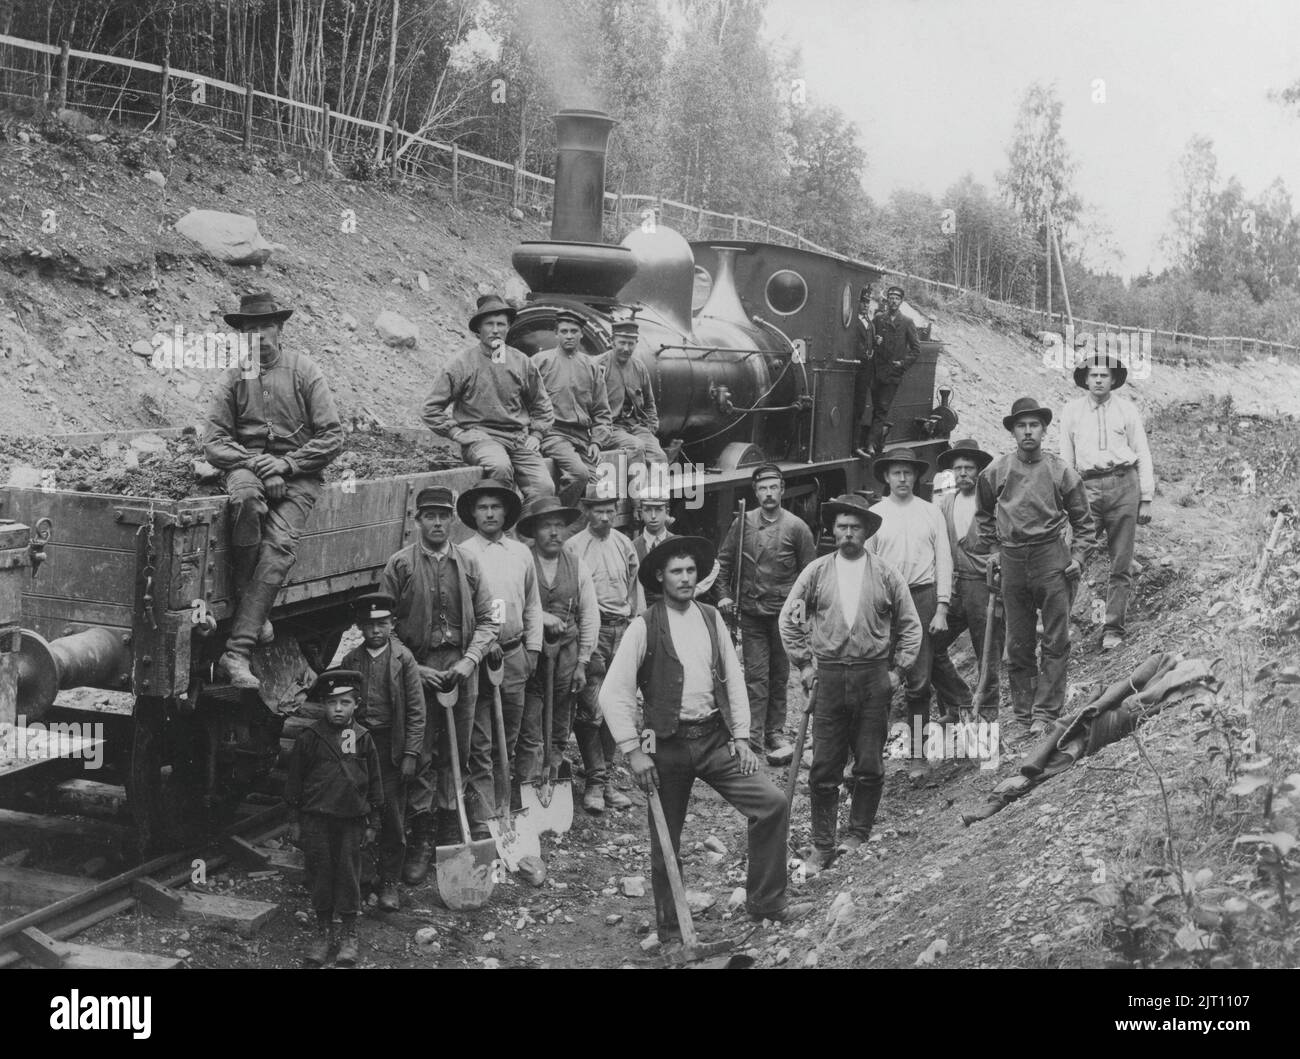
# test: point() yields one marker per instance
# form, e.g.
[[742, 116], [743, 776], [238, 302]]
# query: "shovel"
[[992, 615], [515, 837], [692, 948], [549, 802], [465, 873], [793, 778]]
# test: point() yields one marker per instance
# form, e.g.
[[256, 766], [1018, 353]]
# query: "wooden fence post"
[[514, 186], [164, 97], [392, 161], [248, 115], [325, 133], [455, 173], [63, 75]]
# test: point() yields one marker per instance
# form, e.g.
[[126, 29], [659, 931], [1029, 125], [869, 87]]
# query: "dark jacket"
[[399, 580], [897, 347], [786, 547], [324, 779], [410, 712]]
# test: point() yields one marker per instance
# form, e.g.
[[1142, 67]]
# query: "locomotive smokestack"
[[581, 138]]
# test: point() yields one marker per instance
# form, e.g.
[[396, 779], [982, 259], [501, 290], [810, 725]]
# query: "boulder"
[[229, 237], [396, 330], [155, 177]]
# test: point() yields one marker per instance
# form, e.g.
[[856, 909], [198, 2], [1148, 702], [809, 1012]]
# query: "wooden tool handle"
[[448, 708], [689, 938], [503, 757], [795, 762], [548, 712]]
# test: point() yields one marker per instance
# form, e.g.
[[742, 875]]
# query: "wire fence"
[[126, 91]]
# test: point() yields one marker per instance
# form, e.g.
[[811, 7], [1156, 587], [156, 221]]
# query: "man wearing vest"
[[838, 624], [571, 623], [1024, 502], [679, 655], [612, 560], [970, 592], [1102, 437], [391, 708], [777, 546], [492, 508], [444, 615]]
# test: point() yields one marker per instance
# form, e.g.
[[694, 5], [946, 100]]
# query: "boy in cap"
[[492, 402], [897, 347], [1102, 437], [273, 434], [777, 546], [1025, 501], [445, 616], [582, 418], [631, 397], [334, 785], [392, 709]]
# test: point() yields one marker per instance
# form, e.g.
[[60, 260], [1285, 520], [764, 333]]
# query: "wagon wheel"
[[162, 804]]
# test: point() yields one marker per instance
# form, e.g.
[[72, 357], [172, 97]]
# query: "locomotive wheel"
[[161, 802]]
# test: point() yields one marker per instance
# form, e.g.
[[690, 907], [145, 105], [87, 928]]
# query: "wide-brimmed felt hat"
[[851, 504], [435, 496], [335, 682], [488, 487], [966, 447], [258, 308], [538, 508], [702, 551], [373, 606], [898, 455], [489, 305], [1118, 372], [1027, 406]]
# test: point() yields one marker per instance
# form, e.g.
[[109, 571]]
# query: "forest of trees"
[[713, 112]]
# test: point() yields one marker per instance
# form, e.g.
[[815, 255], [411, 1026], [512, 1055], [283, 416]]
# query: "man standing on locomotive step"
[[631, 398], [1025, 500], [864, 341], [854, 606], [273, 434], [492, 402], [1102, 438], [777, 547], [445, 617], [576, 386], [897, 347]]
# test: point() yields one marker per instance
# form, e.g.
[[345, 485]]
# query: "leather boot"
[[243, 564], [388, 899], [862, 814], [825, 813], [616, 799], [593, 765], [418, 851], [593, 798], [255, 605], [348, 945], [318, 952]]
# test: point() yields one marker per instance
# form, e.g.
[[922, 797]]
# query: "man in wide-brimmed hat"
[[1025, 501], [914, 540], [612, 560], [1102, 437], [697, 719], [273, 435], [838, 623], [897, 347], [492, 402], [777, 546], [446, 616], [968, 607], [491, 508], [631, 397], [570, 626], [576, 386]]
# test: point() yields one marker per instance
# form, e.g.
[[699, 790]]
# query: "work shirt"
[[473, 393], [884, 610], [576, 386], [969, 559], [631, 396], [613, 565], [287, 411], [585, 623], [775, 552], [327, 778], [897, 346], [510, 576], [1102, 436], [694, 650], [913, 539], [1029, 500], [425, 585]]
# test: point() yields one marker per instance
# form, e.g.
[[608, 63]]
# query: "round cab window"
[[786, 292], [702, 289], [846, 305]]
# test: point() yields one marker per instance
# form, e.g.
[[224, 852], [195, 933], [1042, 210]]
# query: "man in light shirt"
[[1102, 438], [838, 624], [491, 508], [968, 607], [697, 720], [613, 564], [913, 539]]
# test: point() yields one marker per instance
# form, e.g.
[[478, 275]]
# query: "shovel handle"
[[503, 758], [448, 709], [689, 938], [986, 655], [795, 762], [548, 711]]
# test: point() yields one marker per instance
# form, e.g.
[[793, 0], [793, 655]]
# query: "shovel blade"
[[466, 874], [516, 838], [556, 814]]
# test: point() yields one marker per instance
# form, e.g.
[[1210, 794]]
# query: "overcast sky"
[[934, 86]]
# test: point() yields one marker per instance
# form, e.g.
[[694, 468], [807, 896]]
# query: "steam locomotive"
[[750, 346]]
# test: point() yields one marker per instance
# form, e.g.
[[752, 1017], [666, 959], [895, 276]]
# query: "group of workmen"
[[639, 662]]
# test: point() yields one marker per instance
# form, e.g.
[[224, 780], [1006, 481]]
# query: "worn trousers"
[[1114, 501], [767, 672], [851, 712], [392, 826], [1034, 582], [275, 526], [529, 750], [594, 740], [508, 459], [968, 611], [638, 441], [331, 850], [933, 668], [679, 761], [486, 774], [570, 455]]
